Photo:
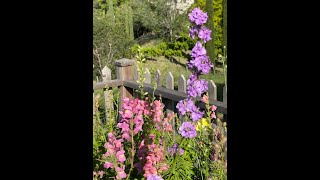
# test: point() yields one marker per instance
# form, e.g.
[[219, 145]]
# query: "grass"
[[177, 66]]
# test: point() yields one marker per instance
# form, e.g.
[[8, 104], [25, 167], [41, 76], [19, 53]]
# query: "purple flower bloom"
[[154, 177], [193, 31], [196, 114], [197, 16], [184, 106], [205, 34], [201, 64], [192, 78], [174, 149], [198, 50], [197, 87], [188, 130], [181, 151]]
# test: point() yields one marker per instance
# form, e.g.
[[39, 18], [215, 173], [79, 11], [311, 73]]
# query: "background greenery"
[[162, 32]]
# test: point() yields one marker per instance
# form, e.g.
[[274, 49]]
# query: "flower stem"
[[132, 149]]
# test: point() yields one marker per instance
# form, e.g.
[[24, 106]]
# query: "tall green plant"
[[128, 20], [111, 11], [141, 60], [130, 23], [225, 23], [210, 24]]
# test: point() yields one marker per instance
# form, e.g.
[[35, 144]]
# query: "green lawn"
[[177, 67]]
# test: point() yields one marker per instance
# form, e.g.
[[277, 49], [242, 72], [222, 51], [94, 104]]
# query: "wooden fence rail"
[[126, 82]]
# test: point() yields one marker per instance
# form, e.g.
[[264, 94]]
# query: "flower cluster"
[[167, 127], [200, 61], [187, 106], [196, 87], [213, 113], [188, 130], [202, 124], [155, 160], [174, 150], [154, 177], [115, 155], [132, 109], [198, 17], [199, 64], [157, 109]]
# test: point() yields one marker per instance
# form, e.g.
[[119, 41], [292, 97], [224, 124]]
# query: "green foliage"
[[217, 7], [141, 60], [109, 40], [178, 45], [169, 53], [162, 46], [184, 37], [134, 49], [104, 5], [159, 18], [181, 168], [210, 45], [168, 49], [225, 23]]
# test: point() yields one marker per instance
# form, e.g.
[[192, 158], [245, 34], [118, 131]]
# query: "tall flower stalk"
[[140, 61], [198, 64]]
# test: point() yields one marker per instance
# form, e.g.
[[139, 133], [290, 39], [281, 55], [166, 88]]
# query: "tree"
[[225, 23], [129, 20], [110, 41], [111, 10], [210, 24], [160, 17]]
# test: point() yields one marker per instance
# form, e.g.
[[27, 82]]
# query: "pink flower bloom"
[[152, 136], [111, 137], [213, 108], [107, 154], [123, 126], [120, 156], [101, 174], [205, 99], [137, 129], [110, 149], [108, 165], [127, 114], [163, 168], [157, 111], [166, 125], [118, 143], [126, 136], [120, 173], [213, 115]]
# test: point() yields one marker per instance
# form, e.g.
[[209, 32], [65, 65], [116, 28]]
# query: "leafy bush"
[[184, 37], [169, 53], [162, 46]]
